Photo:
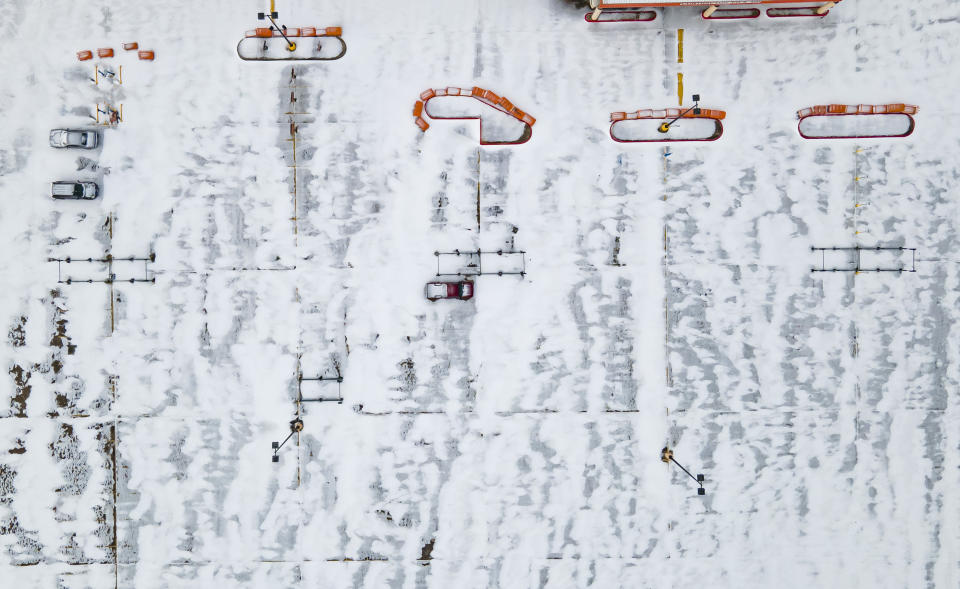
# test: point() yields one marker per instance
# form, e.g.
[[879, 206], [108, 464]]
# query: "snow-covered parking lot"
[[284, 217]]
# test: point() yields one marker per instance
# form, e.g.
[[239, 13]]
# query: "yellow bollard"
[[679, 45], [680, 88]]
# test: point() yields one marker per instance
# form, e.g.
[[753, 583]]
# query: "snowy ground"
[[512, 441]]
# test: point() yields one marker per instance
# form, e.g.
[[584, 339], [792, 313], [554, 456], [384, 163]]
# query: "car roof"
[[64, 188]]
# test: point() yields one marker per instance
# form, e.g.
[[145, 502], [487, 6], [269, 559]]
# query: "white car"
[[73, 138]]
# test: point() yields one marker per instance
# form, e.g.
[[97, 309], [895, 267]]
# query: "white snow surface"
[[509, 441]]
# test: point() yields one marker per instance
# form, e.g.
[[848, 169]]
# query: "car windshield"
[[466, 289], [78, 189]]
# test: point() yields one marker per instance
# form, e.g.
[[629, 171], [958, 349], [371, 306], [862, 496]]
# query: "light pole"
[[666, 455], [291, 46], [296, 426], [663, 128]]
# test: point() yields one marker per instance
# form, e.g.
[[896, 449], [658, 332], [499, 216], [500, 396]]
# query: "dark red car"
[[449, 290]]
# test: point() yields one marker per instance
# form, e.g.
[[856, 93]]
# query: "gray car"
[[73, 138], [74, 190]]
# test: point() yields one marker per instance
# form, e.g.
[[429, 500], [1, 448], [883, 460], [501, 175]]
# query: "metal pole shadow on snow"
[[109, 261], [473, 266], [855, 265], [338, 379]]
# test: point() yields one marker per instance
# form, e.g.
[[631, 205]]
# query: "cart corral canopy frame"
[[717, 9]]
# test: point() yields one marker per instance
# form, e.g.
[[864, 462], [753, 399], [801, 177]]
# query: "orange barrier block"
[[668, 113], [836, 110], [491, 97], [130, 46], [333, 31], [84, 55], [260, 32], [673, 114], [105, 52], [145, 55], [857, 109]]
